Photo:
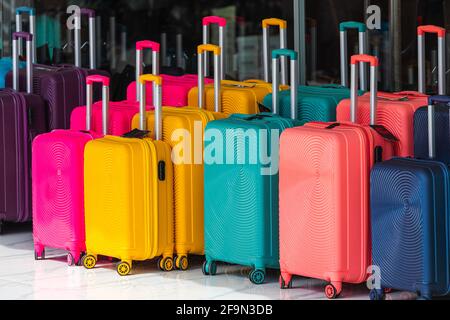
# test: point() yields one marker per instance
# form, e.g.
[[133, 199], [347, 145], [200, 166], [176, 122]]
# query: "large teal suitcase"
[[241, 192]]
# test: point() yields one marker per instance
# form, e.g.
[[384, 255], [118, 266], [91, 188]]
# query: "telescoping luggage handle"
[[202, 57], [222, 23], [28, 37], [282, 24], [157, 102], [293, 56], [432, 123], [90, 80], [373, 61], [92, 40], [362, 30], [140, 46], [421, 31], [32, 14]]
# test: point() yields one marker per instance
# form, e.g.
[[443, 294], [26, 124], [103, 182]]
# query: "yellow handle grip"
[[150, 78], [210, 48], [274, 22]]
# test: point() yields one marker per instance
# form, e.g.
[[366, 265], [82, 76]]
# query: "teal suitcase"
[[241, 192]]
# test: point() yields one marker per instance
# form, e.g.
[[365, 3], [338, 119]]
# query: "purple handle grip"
[[23, 35], [88, 12]]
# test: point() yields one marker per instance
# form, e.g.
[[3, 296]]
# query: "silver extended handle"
[[358, 59], [105, 81], [293, 55], [29, 43], [32, 14], [92, 39], [140, 47], [157, 102], [282, 24], [202, 57], [222, 23]]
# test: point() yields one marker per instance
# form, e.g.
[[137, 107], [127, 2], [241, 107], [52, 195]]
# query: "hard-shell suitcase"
[[129, 196], [410, 223], [22, 117], [63, 87], [58, 184], [184, 131], [241, 198], [396, 111], [325, 172]]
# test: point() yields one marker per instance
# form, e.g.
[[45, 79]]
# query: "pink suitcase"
[[396, 111], [324, 197], [58, 185]]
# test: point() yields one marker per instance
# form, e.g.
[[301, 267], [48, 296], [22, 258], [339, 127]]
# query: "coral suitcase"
[[58, 184], [241, 221], [325, 172], [62, 87], [183, 129], [22, 117], [129, 196], [318, 103], [410, 223], [396, 111]]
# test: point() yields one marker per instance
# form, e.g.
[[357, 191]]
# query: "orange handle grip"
[[365, 58]]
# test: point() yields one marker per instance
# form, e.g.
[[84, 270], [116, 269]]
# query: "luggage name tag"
[[385, 133], [136, 134]]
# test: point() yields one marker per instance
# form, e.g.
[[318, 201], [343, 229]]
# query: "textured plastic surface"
[[22, 117], [325, 172], [410, 225], [394, 111], [241, 204]]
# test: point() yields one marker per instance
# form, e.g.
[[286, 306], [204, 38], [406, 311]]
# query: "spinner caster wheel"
[[39, 255], [70, 260], [257, 277], [165, 264], [284, 285], [182, 263], [209, 268], [89, 262], [331, 292], [376, 295], [123, 268]]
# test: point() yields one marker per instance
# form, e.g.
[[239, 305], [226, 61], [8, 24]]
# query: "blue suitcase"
[[411, 224], [5, 68]]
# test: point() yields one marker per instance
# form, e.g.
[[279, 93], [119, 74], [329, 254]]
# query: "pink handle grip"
[[90, 80], [222, 22], [365, 58], [431, 29], [146, 44]]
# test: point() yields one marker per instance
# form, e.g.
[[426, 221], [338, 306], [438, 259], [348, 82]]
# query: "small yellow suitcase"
[[129, 197], [183, 131]]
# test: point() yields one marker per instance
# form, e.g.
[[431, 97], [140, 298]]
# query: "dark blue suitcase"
[[411, 224], [442, 124]]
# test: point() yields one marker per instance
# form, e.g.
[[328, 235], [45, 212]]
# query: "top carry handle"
[[157, 102], [140, 46], [32, 14], [293, 56], [421, 31], [222, 23], [282, 24], [90, 80], [364, 58], [202, 57], [362, 30], [15, 59], [92, 40]]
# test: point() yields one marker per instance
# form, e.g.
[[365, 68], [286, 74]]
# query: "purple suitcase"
[[22, 117]]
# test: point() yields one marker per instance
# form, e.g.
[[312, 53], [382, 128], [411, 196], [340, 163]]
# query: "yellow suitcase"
[[129, 198], [186, 125], [246, 97]]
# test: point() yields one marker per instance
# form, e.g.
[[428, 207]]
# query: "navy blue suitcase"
[[411, 223]]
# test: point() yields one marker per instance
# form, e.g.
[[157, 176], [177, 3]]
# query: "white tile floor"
[[21, 277]]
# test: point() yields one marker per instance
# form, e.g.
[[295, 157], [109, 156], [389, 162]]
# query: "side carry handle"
[[293, 56], [105, 81], [19, 28], [155, 47], [282, 24], [28, 37], [202, 57], [157, 102], [222, 23]]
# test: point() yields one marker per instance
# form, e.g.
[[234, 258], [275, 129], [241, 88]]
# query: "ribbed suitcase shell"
[[442, 123], [324, 201], [410, 225], [58, 192], [188, 178], [241, 204], [22, 118], [129, 209], [395, 112]]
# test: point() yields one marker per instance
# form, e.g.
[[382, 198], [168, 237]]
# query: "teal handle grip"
[[29, 10], [344, 26], [284, 53]]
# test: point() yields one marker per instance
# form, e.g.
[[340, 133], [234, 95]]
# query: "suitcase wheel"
[[165, 264], [39, 255], [182, 263], [89, 261], [284, 285], [209, 268], [257, 277], [123, 268], [70, 260], [331, 292], [377, 295]]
